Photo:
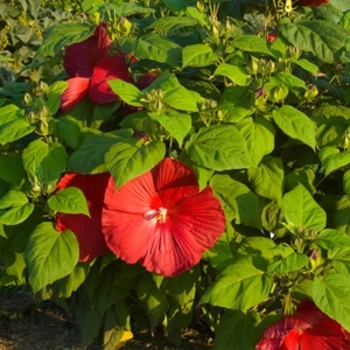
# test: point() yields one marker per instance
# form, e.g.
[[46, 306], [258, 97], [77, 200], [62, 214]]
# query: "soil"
[[25, 325]]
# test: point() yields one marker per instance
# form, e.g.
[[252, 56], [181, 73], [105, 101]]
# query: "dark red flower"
[[89, 67], [312, 2], [161, 220], [307, 329], [146, 80], [87, 229]]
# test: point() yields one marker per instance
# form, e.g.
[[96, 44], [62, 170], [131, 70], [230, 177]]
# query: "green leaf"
[[288, 80], [54, 93], [67, 129], [14, 208], [289, 262], [220, 252], [70, 200], [306, 65], [340, 258], [320, 37], [301, 210], [129, 93], [331, 239], [198, 55], [331, 295], [169, 23], [153, 300], [251, 43], [11, 168], [248, 274], [237, 74], [13, 125], [89, 158], [346, 182], [236, 330], [50, 255], [341, 217], [332, 159], [267, 179], [127, 9], [238, 201], [219, 147], [45, 161], [259, 135], [176, 124], [154, 47], [127, 159], [296, 125], [61, 35], [201, 17]]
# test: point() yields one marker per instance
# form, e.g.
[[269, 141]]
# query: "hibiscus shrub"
[[169, 162]]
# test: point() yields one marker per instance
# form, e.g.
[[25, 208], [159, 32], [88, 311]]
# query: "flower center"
[[161, 215]]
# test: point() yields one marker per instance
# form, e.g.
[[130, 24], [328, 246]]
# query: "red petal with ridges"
[[81, 58], [76, 91], [108, 68], [87, 230], [134, 232]]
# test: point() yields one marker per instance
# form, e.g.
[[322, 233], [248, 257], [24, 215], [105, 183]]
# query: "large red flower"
[[307, 329], [89, 67], [312, 2], [161, 220], [87, 229]]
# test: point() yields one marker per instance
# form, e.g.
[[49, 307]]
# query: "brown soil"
[[24, 325]]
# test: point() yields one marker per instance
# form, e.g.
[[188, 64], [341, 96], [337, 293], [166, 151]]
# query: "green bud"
[[28, 99], [311, 93]]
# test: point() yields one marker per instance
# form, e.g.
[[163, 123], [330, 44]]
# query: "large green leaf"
[[176, 124], [237, 74], [331, 295], [296, 125], [50, 255], [127, 159], [267, 178], [11, 168], [13, 125], [320, 37], [236, 330], [128, 92], [301, 210], [219, 147], [169, 23], [14, 208], [61, 35], [340, 258], [341, 216], [70, 200], [259, 135], [45, 161], [89, 158], [241, 285], [251, 43], [332, 158], [198, 55], [154, 47], [67, 129], [238, 201], [331, 239], [54, 93]]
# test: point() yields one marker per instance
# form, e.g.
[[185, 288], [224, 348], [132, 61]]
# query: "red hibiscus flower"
[[307, 329], [89, 67], [87, 229], [161, 220], [271, 36], [312, 2]]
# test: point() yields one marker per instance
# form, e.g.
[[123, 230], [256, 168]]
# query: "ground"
[[25, 325]]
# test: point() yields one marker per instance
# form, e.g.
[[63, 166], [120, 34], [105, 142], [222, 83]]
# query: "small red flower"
[[87, 230], [271, 36], [312, 2], [146, 80], [89, 67], [161, 220], [307, 329]]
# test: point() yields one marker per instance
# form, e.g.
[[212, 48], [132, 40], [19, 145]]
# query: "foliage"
[[253, 96]]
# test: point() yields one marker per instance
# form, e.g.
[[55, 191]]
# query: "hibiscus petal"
[[174, 180], [75, 93], [135, 230], [107, 68], [81, 58], [87, 230]]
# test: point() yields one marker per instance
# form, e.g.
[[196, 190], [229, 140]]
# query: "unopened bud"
[[28, 99]]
